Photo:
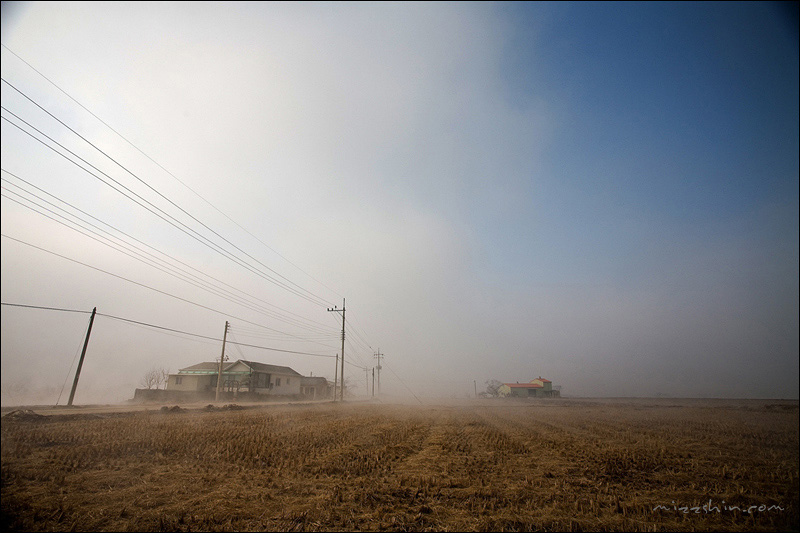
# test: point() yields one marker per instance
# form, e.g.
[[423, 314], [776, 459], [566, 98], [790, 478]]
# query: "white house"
[[238, 376]]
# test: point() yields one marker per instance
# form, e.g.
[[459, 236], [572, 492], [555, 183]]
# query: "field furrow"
[[485, 466]]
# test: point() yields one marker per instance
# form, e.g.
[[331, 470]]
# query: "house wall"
[[279, 385], [271, 384], [525, 392], [285, 384], [189, 382], [315, 392], [546, 385]]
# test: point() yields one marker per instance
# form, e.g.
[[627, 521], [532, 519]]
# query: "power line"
[[163, 328], [354, 328], [164, 169], [264, 311], [115, 247], [322, 300], [213, 338], [404, 384], [128, 280], [66, 378], [47, 308], [355, 353], [209, 243], [174, 222]]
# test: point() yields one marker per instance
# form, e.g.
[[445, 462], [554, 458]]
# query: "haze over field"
[[605, 195]]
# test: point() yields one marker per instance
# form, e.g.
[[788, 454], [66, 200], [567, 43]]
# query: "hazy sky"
[[602, 194]]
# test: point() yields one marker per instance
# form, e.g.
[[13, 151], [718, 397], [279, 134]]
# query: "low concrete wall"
[[172, 396], [177, 396]]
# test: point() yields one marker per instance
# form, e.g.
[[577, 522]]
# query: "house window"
[[277, 382], [287, 381], [178, 380]]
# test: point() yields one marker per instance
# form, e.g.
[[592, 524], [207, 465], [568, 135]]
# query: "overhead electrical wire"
[[131, 281], [354, 328], [306, 294], [403, 382], [69, 369], [197, 236], [164, 169], [159, 268], [215, 339], [322, 301], [48, 308], [154, 326], [267, 312], [354, 351]]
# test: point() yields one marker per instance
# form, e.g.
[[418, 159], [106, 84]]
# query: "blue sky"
[[603, 194], [676, 115]]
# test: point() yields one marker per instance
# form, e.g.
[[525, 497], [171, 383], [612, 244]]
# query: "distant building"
[[316, 388], [535, 388]]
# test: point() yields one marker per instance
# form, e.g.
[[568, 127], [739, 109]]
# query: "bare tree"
[[493, 387], [164, 377], [350, 385], [154, 378]]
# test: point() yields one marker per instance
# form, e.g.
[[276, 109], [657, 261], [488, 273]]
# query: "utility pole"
[[373, 382], [475, 382], [335, 376], [83, 354], [341, 390], [378, 356], [221, 359]]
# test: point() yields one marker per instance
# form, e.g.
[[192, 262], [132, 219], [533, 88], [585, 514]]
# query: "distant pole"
[[335, 377], [341, 389], [475, 382], [221, 359], [373, 382], [366, 380], [378, 356], [83, 354]]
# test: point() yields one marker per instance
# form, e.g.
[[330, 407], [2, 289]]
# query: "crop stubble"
[[485, 466]]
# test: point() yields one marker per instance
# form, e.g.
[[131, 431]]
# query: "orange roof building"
[[535, 388]]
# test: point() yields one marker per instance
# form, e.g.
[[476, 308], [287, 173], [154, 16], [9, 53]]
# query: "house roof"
[[203, 368], [542, 380], [315, 380], [270, 369], [523, 385], [213, 368]]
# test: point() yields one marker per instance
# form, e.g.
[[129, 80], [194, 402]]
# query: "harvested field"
[[568, 465]]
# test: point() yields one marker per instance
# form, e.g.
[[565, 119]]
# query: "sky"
[[601, 194]]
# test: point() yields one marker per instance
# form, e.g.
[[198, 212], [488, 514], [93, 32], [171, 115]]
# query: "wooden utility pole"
[[335, 375], [373, 382], [341, 390], [378, 356], [83, 354], [221, 360]]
